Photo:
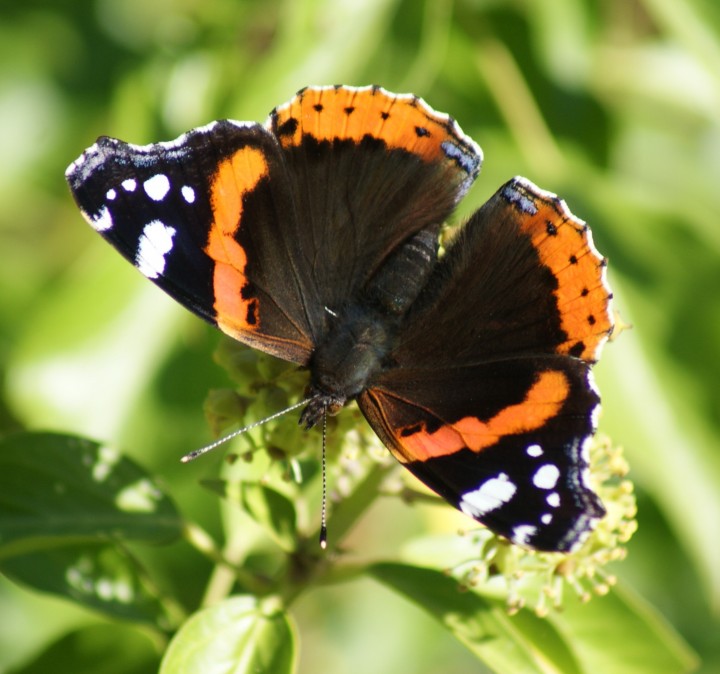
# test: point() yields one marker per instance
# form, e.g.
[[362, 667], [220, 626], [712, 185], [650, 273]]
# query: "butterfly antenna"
[[204, 450], [323, 508]]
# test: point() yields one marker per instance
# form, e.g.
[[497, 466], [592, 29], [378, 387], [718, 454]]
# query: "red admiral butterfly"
[[314, 238]]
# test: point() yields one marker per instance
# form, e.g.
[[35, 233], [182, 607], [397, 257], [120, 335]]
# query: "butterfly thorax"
[[361, 337]]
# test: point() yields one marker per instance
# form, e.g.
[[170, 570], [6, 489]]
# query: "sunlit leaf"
[[102, 577], [241, 635], [59, 489]]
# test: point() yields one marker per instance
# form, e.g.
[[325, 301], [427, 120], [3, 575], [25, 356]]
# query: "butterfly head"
[[320, 404]]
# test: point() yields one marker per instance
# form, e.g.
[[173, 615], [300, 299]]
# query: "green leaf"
[[66, 504], [100, 577], [237, 636], [273, 511], [100, 649], [60, 489], [620, 633], [481, 624]]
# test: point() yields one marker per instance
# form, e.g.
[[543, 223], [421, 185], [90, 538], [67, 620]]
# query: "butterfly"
[[315, 238]]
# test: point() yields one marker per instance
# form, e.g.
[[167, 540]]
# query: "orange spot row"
[[582, 299], [402, 122]]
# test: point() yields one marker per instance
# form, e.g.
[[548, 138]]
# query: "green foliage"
[[68, 509], [527, 643], [612, 105], [241, 634]]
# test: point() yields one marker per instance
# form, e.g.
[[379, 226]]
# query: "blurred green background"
[[614, 105]]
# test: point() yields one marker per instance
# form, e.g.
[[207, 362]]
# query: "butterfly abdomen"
[[398, 282]]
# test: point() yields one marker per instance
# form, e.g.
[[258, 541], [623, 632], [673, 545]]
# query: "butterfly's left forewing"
[[490, 400], [205, 217]]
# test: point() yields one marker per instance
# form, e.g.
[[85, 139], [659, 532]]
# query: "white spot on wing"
[[546, 476], [129, 185], [157, 187], [583, 535], [534, 451], [585, 478], [155, 243], [585, 450], [490, 495], [239, 124], [546, 518], [590, 379], [522, 534], [110, 194], [188, 194], [102, 221], [553, 499]]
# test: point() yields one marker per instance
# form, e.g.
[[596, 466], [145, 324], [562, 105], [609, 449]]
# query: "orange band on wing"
[[235, 177], [401, 121], [564, 245], [542, 402]]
